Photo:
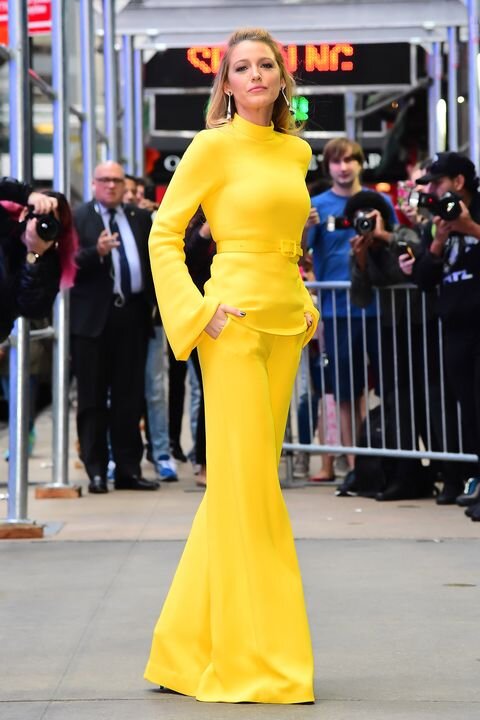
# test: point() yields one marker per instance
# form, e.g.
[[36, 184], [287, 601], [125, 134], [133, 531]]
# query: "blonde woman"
[[234, 627]]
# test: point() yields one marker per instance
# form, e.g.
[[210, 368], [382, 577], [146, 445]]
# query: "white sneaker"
[[167, 469], [301, 465]]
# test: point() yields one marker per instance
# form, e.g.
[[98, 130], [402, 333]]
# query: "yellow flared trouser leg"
[[234, 627]]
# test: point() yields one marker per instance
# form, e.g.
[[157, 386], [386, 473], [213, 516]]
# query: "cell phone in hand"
[[403, 247]]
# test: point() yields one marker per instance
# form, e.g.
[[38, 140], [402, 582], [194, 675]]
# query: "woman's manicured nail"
[[242, 313]]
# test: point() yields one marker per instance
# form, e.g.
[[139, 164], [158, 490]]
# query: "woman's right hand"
[[219, 320]]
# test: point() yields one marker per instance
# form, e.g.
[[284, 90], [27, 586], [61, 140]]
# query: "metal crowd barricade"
[[415, 378], [19, 401]]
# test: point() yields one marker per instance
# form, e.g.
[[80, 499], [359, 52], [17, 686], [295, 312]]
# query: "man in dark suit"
[[111, 306]]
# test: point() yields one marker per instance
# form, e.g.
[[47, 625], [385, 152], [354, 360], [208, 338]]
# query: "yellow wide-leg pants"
[[234, 626]]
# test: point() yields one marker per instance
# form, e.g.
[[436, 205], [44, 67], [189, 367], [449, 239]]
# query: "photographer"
[[451, 261], [404, 330], [29, 265]]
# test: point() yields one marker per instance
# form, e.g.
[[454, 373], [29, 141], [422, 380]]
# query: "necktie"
[[125, 281]]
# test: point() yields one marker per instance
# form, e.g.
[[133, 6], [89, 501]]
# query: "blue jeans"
[[311, 375], [155, 395]]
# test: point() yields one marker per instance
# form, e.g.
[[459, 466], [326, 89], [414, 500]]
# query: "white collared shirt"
[[131, 249]]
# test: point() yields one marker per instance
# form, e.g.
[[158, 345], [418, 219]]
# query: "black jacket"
[[382, 270], [457, 273], [27, 290], [199, 252], [92, 294]]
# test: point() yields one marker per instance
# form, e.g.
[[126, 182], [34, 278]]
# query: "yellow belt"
[[289, 248]]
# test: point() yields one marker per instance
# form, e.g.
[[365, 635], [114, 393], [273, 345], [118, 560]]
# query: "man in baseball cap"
[[451, 262], [450, 165]]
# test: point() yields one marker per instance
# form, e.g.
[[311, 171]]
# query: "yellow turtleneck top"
[[250, 181]]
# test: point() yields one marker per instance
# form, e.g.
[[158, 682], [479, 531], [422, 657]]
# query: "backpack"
[[372, 474]]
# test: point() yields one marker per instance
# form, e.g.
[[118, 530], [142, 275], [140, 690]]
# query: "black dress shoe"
[[473, 512], [396, 492], [177, 452], [97, 485], [399, 490], [449, 494], [135, 482], [471, 494]]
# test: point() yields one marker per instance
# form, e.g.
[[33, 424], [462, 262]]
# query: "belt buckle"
[[288, 248]]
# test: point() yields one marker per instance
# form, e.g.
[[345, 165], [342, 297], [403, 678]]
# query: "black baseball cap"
[[448, 164]]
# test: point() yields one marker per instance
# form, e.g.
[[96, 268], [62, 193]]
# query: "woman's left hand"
[[309, 319]]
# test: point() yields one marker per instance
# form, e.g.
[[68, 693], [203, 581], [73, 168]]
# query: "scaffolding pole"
[[61, 182], [128, 104], [20, 164], [434, 96], [452, 89], [138, 107], [473, 81], [350, 119], [111, 76], [87, 70]]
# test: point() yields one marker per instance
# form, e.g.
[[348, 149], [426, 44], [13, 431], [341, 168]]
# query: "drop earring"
[[289, 104], [229, 106]]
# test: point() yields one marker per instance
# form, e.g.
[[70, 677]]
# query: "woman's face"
[[253, 77]]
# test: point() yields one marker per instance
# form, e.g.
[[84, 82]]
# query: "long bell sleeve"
[[185, 311]]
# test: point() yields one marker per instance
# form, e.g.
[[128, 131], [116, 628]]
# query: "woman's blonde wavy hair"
[[282, 118]]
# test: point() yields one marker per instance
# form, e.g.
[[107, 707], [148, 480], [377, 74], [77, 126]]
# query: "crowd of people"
[[356, 234], [100, 251]]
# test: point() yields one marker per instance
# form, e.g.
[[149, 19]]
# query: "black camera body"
[[48, 227], [447, 207], [338, 223]]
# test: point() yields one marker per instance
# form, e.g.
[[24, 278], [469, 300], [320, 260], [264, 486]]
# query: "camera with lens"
[[48, 227], [364, 223], [447, 207]]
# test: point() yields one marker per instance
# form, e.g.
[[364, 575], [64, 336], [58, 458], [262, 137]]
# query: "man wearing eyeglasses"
[[111, 305]]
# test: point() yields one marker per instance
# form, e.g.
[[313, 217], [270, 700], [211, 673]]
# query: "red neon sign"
[[317, 58]]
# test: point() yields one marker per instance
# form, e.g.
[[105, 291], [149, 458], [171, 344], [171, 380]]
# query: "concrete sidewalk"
[[394, 625], [392, 591]]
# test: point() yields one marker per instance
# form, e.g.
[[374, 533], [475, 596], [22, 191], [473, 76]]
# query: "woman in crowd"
[[33, 264], [233, 627], [33, 267]]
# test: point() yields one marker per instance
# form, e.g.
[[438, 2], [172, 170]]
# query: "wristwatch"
[[32, 257]]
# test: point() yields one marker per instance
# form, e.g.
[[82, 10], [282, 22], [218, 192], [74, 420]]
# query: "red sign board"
[[39, 18]]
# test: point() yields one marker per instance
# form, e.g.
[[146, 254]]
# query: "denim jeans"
[[307, 416], [155, 395], [195, 397]]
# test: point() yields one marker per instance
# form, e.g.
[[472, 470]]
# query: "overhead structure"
[[435, 25], [181, 23]]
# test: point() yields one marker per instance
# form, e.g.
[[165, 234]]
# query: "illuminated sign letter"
[[335, 52], [197, 56], [292, 58], [315, 60]]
